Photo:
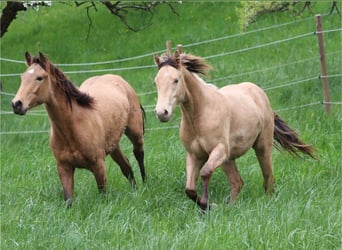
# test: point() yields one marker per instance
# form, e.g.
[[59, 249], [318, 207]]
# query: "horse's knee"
[[206, 173]]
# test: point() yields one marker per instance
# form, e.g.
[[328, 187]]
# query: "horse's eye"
[[39, 78], [176, 81]]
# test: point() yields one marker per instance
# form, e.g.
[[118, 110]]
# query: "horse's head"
[[169, 82], [34, 87], [170, 79]]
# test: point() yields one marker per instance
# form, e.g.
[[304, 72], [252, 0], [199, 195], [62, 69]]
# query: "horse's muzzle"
[[18, 108], [163, 115]]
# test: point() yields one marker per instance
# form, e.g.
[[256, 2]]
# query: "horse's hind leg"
[[124, 165], [234, 178], [137, 140], [263, 151]]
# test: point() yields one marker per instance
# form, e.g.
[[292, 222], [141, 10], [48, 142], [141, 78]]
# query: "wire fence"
[[160, 51], [149, 107]]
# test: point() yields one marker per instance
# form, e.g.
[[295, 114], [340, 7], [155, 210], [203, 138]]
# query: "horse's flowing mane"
[[69, 89], [195, 64], [192, 63]]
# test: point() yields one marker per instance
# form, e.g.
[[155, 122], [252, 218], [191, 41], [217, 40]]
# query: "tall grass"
[[304, 212]]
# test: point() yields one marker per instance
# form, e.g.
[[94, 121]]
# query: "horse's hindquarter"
[[250, 114]]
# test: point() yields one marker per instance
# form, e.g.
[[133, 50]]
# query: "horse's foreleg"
[[66, 175], [216, 158], [234, 178], [124, 165], [192, 172], [99, 172]]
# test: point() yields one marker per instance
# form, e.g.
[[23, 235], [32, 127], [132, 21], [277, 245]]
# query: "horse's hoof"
[[210, 207], [68, 203], [229, 199], [213, 206]]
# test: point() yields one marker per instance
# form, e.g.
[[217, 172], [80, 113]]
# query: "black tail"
[[289, 140], [143, 117]]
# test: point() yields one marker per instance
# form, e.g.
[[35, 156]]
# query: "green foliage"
[[248, 11], [305, 211]]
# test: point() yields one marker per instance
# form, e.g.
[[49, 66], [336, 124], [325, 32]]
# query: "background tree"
[[117, 8]]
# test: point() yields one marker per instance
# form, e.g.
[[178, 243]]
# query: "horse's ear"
[[177, 57], [42, 58], [156, 59], [168, 48], [180, 48], [28, 58], [44, 61]]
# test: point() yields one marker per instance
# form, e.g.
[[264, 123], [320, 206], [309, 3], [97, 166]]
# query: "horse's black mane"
[[69, 89], [168, 61], [192, 63]]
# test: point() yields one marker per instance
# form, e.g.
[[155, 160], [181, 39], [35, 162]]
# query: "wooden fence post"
[[324, 73]]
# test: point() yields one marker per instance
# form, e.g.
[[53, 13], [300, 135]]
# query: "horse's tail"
[[289, 140], [143, 117]]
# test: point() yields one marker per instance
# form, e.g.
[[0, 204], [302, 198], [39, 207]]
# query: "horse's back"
[[115, 102], [107, 85], [247, 95]]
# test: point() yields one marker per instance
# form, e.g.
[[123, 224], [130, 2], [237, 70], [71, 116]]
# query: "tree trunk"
[[9, 13]]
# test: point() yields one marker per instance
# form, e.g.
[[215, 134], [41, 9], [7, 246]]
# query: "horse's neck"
[[61, 116], [195, 95]]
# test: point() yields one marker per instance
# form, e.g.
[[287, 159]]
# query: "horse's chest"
[[75, 158], [76, 155]]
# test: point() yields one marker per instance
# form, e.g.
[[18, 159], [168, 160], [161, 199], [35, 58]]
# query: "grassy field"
[[304, 212]]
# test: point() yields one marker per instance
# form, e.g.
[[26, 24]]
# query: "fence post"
[[324, 73]]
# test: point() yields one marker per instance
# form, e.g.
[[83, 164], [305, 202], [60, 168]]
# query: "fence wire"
[[161, 51], [266, 88]]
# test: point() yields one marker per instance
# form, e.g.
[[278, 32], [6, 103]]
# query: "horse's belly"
[[240, 145], [236, 152]]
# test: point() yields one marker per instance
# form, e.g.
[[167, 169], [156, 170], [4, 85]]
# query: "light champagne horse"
[[86, 123], [219, 125]]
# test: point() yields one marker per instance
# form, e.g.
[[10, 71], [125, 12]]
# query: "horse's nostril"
[[17, 105], [163, 112], [18, 108]]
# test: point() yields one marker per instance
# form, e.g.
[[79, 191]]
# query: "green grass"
[[304, 212]]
